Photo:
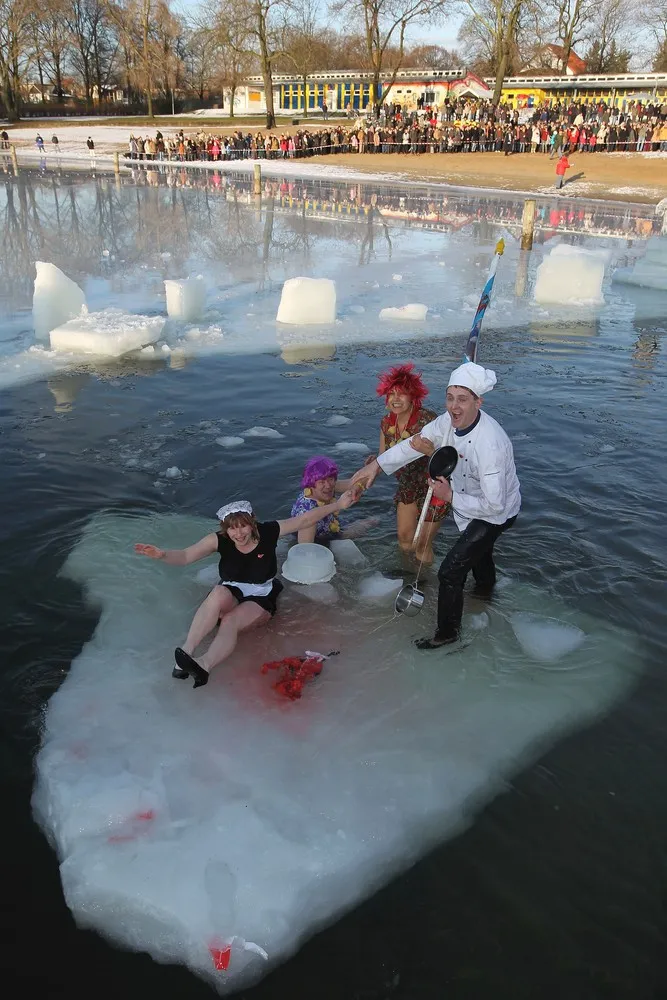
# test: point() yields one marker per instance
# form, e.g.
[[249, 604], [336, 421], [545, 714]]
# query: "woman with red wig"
[[404, 393]]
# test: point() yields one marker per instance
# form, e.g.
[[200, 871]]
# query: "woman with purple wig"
[[319, 485]]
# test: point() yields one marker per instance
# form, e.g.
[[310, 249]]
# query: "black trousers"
[[472, 551]]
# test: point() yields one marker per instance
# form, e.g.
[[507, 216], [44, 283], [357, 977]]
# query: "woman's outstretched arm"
[[180, 557]]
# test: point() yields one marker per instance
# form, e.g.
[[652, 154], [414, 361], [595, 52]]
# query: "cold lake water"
[[488, 822]]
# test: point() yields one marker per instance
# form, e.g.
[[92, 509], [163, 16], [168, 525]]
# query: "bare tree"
[[496, 23], [137, 22], [14, 41], [55, 40], [94, 44], [609, 33], [305, 43], [384, 24], [652, 18], [433, 57], [572, 23]]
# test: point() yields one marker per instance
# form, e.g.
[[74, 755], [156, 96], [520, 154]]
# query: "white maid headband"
[[235, 507]]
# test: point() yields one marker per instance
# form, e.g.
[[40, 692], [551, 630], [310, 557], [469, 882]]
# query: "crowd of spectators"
[[461, 126]]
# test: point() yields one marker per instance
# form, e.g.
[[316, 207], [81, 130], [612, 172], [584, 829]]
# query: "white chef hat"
[[471, 376], [235, 507]]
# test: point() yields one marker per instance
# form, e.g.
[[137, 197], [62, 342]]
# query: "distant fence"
[[161, 106]]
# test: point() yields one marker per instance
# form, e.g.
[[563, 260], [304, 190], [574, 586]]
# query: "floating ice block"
[[217, 830], [306, 301], [348, 554], [545, 639], [308, 562], [414, 311], [651, 270], [570, 275], [56, 299], [378, 587], [186, 300], [110, 333]]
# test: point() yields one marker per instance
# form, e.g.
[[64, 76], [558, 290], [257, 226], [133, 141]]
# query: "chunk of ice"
[[208, 575], [378, 587], [353, 446], [186, 300], [545, 638], [570, 275], [650, 271], [414, 312], [110, 333], [263, 432], [321, 593], [307, 301], [174, 811], [348, 554], [338, 420], [230, 442], [56, 299]]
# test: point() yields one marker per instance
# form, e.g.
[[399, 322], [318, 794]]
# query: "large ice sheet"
[[208, 824], [650, 271], [186, 299], [56, 298], [571, 275], [110, 333], [306, 301]]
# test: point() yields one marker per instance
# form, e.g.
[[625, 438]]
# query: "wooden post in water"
[[528, 224], [522, 274], [257, 188], [116, 163], [15, 161]]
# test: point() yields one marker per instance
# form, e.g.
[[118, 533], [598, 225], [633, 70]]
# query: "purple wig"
[[318, 467]]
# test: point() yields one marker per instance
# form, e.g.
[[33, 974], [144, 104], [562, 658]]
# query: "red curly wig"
[[403, 378]]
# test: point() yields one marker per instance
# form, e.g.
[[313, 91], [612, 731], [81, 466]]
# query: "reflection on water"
[[166, 211]]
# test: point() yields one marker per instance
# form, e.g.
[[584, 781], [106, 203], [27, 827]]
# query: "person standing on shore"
[[484, 492], [562, 165]]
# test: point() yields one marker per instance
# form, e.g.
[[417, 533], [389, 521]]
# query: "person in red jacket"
[[562, 165]]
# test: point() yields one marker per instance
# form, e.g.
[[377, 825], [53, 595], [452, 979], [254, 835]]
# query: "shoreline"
[[627, 178]]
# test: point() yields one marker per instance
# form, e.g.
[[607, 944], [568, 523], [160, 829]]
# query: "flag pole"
[[470, 354]]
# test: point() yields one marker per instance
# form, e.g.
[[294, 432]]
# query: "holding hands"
[[366, 476], [422, 444]]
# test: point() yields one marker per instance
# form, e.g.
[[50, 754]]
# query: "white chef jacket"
[[484, 482]]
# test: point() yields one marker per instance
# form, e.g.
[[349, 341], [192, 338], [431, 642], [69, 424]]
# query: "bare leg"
[[243, 617], [424, 548], [407, 516], [218, 603]]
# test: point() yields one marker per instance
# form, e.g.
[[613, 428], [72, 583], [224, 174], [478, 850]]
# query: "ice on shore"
[[56, 298], [221, 827], [413, 311], [186, 299], [307, 301], [570, 275], [110, 333], [650, 271]]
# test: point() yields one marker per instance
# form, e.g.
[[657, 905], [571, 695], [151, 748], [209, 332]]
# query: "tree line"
[[157, 55]]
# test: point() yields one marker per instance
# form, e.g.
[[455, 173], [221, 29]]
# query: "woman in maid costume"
[[248, 590]]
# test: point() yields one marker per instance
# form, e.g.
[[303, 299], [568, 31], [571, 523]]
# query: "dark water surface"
[[558, 890]]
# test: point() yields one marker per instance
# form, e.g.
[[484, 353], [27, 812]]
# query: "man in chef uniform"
[[484, 490]]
